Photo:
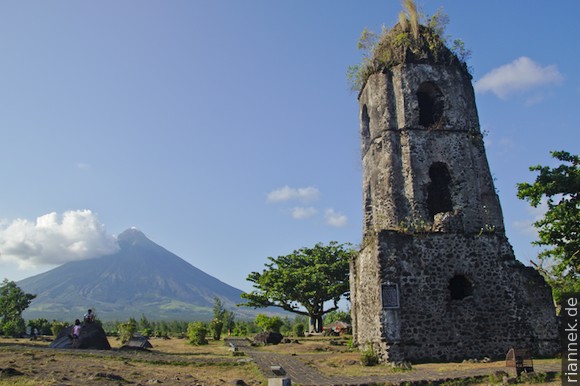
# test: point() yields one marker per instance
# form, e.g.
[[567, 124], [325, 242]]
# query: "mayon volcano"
[[140, 278]]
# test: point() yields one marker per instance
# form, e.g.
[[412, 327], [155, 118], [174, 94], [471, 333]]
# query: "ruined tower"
[[436, 277]]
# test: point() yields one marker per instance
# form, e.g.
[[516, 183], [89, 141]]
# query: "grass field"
[[174, 361]]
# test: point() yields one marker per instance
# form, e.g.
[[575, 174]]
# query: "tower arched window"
[[431, 104], [366, 124], [438, 191]]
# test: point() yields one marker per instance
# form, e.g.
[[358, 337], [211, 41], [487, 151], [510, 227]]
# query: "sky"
[[226, 130]]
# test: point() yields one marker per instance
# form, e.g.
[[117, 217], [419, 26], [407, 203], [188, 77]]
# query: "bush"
[[126, 330], [369, 357], [196, 333], [57, 327], [267, 323], [14, 327], [299, 330], [216, 326]]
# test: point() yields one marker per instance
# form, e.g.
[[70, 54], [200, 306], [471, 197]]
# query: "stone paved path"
[[302, 374]]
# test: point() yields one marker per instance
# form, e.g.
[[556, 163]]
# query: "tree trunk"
[[315, 324]]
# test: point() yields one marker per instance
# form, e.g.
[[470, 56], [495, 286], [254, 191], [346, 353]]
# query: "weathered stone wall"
[[398, 151], [436, 277], [497, 314], [365, 296]]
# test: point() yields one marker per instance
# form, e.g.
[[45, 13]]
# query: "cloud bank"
[[308, 194], [55, 239], [520, 75], [300, 213], [287, 193]]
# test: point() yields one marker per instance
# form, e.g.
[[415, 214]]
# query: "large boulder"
[[268, 338], [137, 342], [92, 336]]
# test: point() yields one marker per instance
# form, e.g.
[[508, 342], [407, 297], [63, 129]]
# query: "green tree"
[[13, 301], [42, 325], [196, 333], [57, 326], [304, 281], [126, 330], [337, 316], [145, 326], [269, 323], [559, 229]]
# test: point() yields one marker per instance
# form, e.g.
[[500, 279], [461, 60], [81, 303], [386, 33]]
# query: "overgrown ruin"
[[436, 278]]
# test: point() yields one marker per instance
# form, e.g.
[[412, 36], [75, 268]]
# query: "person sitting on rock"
[[76, 332], [89, 316]]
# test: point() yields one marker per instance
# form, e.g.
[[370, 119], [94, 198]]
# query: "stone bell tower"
[[436, 277]]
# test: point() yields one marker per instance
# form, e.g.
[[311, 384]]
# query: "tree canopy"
[[304, 281], [559, 229], [13, 301]]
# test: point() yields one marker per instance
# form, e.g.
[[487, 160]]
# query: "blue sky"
[[226, 130]]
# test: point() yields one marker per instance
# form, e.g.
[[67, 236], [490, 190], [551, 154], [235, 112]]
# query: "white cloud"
[[301, 213], [55, 239], [287, 193], [526, 226], [82, 165], [334, 218], [520, 75]]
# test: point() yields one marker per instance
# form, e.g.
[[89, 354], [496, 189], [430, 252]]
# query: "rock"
[[9, 372], [268, 338], [92, 336]]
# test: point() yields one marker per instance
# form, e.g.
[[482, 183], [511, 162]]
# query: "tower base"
[[449, 296]]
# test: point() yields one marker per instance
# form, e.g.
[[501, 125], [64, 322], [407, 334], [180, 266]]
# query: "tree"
[[196, 333], [338, 316], [304, 281], [559, 229], [126, 330], [13, 301], [267, 323]]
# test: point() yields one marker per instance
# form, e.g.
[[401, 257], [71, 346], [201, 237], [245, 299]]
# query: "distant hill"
[[141, 278]]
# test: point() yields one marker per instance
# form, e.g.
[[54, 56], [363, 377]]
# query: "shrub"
[[57, 327], [196, 333], [268, 323], [216, 326], [14, 327], [299, 330], [126, 330], [368, 356]]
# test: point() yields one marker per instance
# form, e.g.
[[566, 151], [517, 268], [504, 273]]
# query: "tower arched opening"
[[431, 104], [438, 191], [460, 287], [365, 124]]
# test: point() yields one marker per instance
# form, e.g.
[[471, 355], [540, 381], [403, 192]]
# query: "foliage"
[[126, 330], [299, 330], [241, 329], [413, 39], [42, 325], [196, 333], [269, 323], [222, 318], [13, 301], [57, 327], [216, 326], [559, 229], [145, 326], [337, 316], [14, 327], [368, 356], [303, 281]]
